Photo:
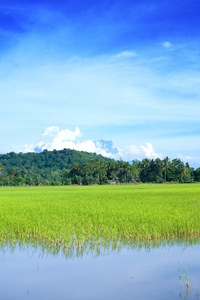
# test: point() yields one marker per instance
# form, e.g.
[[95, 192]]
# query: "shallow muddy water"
[[128, 274]]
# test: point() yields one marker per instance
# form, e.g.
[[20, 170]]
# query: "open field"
[[56, 216]]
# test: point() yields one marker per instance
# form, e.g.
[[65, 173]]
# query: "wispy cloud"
[[128, 92], [98, 91], [124, 54], [167, 45]]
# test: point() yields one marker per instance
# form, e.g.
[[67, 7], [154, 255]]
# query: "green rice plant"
[[186, 277], [70, 216]]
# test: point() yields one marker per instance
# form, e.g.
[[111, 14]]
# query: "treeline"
[[147, 170], [74, 167]]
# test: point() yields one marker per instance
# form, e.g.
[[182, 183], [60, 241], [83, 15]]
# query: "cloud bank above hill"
[[55, 138]]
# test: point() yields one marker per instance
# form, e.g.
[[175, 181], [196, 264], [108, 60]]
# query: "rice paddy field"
[[75, 216]]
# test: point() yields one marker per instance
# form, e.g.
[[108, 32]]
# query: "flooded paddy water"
[[122, 273]]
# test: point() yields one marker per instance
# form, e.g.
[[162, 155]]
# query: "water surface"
[[29, 273]]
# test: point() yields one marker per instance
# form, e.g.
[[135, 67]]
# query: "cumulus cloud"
[[56, 138], [149, 151], [108, 146], [133, 152], [51, 130], [62, 135]]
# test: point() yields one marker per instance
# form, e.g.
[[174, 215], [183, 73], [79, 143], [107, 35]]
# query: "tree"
[[145, 170], [197, 174], [1, 175], [179, 172], [135, 173], [166, 163], [158, 170]]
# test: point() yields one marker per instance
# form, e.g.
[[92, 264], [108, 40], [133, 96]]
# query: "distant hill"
[[54, 160]]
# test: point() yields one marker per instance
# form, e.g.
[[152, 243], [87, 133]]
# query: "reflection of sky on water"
[[130, 274]]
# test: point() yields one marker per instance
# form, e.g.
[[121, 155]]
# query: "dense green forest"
[[67, 166]]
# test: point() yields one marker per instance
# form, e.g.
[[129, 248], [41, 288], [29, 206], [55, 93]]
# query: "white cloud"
[[61, 136], [149, 151], [51, 130], [133, 152], [54, 138], [167, 45], [124, 54], [59, 144], [65, 135]]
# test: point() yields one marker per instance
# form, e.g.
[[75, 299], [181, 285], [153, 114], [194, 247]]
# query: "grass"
[[187, 278], [72, 216]]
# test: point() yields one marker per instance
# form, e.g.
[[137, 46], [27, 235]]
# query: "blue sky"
[[81, 74]]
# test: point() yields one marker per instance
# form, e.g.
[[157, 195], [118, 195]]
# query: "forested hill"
[[45, 168], [74, 167], [54, 160]]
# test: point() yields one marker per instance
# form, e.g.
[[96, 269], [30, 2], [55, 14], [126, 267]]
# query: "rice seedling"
[[72, 217], [186, 277]]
